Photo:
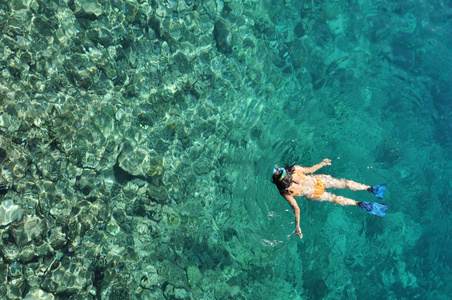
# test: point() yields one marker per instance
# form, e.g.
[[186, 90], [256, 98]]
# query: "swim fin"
[[377, 209], [378, 190]]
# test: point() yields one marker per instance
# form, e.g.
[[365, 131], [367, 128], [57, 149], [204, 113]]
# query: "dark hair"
[[283, 184]]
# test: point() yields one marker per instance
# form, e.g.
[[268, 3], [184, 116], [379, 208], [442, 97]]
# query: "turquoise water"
[[138, 138]]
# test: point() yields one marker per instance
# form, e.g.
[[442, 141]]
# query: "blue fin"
[[378, 190], [377, 209]]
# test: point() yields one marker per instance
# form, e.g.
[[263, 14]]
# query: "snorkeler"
[[293, 182]]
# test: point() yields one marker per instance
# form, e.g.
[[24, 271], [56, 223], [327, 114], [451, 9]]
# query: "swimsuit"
[[319, 188]]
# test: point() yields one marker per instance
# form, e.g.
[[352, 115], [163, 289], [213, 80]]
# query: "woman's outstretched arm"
[[296, 211], [325, 162]]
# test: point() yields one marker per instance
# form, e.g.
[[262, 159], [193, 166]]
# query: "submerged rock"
[[139, 161], [130, 11], [222, 37], [39, 294], [43, 26], [13, 161], [90, 9], [194, 275], [31, 227], [149, 277], [16, 287], [57, 238], [10, 212], [70, 277]]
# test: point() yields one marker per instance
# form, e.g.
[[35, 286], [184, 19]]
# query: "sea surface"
[[138, 138]]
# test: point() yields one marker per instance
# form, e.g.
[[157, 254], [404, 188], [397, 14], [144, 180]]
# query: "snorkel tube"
[[282, 175]]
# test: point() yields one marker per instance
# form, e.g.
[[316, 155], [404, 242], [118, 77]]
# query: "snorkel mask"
[[282, 175]]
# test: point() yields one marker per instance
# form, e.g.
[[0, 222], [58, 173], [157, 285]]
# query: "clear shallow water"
[[147, 135]]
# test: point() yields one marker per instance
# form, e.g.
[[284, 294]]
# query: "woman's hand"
[[326, 162], [298, 232]]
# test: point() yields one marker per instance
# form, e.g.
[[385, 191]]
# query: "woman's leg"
[[331, 182], [336, 199]]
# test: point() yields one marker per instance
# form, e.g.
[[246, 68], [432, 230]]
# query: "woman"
[[293, 182]]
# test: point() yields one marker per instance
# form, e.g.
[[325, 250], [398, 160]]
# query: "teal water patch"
[[375, 107], [138, 138]]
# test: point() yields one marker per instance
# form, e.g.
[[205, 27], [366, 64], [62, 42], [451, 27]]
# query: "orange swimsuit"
[[319, 187]]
